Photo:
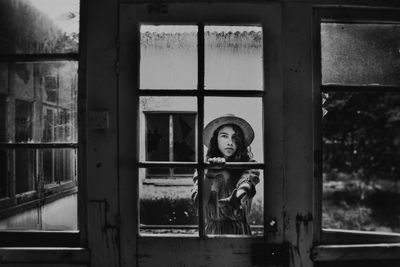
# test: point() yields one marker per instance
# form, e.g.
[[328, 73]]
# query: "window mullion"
[[200, 106], [171, 143]]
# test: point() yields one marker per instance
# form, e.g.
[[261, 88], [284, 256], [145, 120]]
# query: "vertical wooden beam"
[[128, 110], [298, 131], [102, 144]]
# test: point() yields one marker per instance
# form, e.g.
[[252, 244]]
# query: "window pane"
[[168, 57], [233, 57], [23, 121], [166, 206], [39, 26], [58, 166], [38, 177], [25, 171], [360, 54], [3, 78], [361, 152], [41, 105], [3, 174], [165, 122], [184, 135], [157, 137], [249, 109], [223, 215]]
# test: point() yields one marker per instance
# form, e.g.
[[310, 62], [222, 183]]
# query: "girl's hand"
[[215, 162], [233, 200]]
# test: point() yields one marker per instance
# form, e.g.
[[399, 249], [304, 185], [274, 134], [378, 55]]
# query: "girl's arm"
[[246, 186]]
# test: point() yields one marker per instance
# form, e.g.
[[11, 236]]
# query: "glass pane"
[[168, 57], [360, 54], [23, 121], [3, 78], [248, 109], [41, 105], [233, 57], [233, 201], [157, 137], [361, 152], [40, 204], [166, 206], [39, 26], [184, 137], [3, 174], [25, 171], [58, 166], [167, 128]]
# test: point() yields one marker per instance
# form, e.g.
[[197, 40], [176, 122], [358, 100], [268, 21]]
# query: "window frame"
[[343, 237], [56, 241], [266, 14]]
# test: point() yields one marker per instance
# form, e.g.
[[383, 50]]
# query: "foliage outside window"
[[361, 127]]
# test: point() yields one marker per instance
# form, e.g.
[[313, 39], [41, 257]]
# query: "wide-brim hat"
[[213, 125]]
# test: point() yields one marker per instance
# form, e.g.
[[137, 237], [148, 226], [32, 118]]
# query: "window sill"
[[169, 181], [326, 253], [44, 255]]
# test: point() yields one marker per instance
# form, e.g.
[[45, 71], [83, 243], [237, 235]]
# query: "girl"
[[227, 193]]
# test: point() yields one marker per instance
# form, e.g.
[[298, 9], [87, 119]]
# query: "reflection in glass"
[[233, 57], [41, 105], [39, 172], [250, 109], [39, 26], [168, 57], [58, 166], [24, 171], [168, 129], [166, 206], [3, 77], [361, 152], [360, 54], [3, 174]]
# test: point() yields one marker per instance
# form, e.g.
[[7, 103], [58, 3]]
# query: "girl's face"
[[226, 144]]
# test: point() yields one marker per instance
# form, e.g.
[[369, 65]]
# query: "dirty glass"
[[41, 104], [166, 205], [39, 26], [361, 152], [168, 57], [233, 57], [360, 54], [30, 169]]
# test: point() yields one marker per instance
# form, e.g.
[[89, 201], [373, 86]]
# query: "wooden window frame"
[[131, 15], [336, 244], [53, 244]]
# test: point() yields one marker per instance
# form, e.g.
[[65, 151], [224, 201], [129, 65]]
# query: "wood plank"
[[44, 255], [356, 252]]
